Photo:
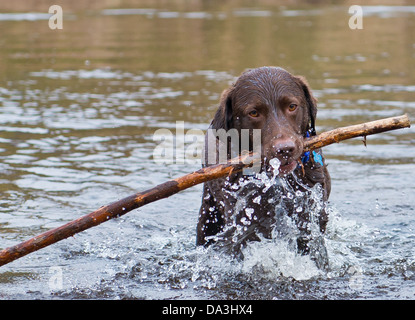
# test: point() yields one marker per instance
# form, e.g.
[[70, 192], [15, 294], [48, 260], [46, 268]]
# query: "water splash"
[[275, 256]]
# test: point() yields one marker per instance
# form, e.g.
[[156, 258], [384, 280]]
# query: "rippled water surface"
[[79, 108]]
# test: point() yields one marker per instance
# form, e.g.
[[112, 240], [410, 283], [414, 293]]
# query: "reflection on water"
[[79, 108]]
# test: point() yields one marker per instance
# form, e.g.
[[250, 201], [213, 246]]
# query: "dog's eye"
[[292, 107], [254, 113]]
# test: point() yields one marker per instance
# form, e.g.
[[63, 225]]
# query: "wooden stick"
[[122, 206], [359, 130], [164, 190]]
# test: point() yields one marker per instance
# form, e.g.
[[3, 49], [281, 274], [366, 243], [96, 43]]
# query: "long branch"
[[358, 130], [166, 189]]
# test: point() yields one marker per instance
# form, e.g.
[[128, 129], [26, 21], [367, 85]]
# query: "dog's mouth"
[[284, 167], [287, 168]]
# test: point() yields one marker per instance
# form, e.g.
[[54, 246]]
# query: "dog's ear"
[[224, 116], [311, 104]]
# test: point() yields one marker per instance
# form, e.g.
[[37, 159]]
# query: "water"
[[79, 108]]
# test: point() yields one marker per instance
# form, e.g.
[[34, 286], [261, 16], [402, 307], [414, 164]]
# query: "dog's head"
[[278, 103]]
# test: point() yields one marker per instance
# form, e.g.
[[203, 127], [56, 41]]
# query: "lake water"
[[79, 108]]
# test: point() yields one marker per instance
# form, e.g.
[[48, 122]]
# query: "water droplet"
[[249, 212], [257, 200], [245, 221], [275, 163]]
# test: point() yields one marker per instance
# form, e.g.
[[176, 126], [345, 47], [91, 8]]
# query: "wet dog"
[[240, 208]]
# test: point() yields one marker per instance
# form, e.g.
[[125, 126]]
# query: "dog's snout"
[[284, 148]]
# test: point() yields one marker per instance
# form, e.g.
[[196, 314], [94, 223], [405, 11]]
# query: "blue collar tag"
[[306, 157], [318, 158]]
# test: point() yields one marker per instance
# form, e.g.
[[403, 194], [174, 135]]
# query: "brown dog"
[[282, 107]]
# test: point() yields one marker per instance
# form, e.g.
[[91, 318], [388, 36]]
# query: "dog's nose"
[[284, 148]]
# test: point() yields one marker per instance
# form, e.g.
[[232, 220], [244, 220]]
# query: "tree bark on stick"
[[359, 130], [164, 190]]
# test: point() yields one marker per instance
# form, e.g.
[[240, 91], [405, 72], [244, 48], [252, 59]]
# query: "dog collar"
[[317, 158]]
